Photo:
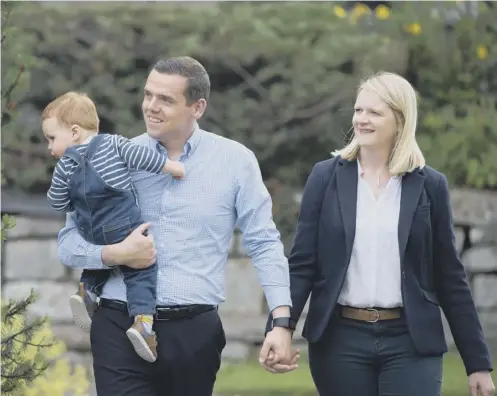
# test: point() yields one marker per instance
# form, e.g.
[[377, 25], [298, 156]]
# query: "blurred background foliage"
[[33, 362], [283, 77]]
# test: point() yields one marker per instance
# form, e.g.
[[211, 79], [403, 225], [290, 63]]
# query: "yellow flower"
[[382, 12], [339, 12], [482, 52], [358, 11], [413, 28]]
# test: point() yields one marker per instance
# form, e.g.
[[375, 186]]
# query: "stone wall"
[[29, 260]]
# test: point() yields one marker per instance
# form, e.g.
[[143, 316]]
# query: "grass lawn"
[[250, 380]]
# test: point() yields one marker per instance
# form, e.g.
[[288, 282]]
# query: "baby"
[[92, 178]]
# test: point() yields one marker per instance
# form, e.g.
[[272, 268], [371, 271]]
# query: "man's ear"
[[198, 108], [75, 132]]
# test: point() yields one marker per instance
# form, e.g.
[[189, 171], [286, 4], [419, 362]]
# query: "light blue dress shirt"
[[193, 222]]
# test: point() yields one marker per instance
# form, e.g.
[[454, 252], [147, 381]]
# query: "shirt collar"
[[360, 171], [359, 168], [190, 145], [88, 139]]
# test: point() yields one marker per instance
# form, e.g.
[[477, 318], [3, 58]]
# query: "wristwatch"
[[286, 322]]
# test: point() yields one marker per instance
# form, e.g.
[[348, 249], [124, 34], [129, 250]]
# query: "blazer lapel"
[[347, 196], [412, 187]]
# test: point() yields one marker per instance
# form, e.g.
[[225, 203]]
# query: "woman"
[[375, 246]]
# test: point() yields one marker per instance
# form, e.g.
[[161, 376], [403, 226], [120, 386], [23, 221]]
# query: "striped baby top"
[[112, 161]]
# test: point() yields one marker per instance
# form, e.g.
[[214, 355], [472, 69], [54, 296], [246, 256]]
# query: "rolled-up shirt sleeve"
[[260, 236], [75, 252]]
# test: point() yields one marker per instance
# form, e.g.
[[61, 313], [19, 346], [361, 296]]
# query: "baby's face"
[[58, 136]]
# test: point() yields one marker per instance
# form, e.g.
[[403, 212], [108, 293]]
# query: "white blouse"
[[373, 278]]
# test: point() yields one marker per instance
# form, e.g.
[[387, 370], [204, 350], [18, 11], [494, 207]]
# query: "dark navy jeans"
[[105, 215], [355, 358]]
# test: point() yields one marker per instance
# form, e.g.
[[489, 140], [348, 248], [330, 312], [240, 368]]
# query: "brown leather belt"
[[370, 315]]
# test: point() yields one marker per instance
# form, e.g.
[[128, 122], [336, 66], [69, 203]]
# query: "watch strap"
[[285, 322]]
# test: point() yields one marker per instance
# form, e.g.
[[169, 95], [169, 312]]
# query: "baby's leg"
[[141, 286], [84, 302]]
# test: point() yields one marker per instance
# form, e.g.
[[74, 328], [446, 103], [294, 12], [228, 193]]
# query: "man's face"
[[164, 106]]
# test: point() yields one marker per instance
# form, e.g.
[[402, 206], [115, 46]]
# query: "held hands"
[[276, 355], [481, 382], [137, 250]]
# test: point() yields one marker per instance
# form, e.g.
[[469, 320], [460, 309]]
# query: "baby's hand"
[[176, 169]]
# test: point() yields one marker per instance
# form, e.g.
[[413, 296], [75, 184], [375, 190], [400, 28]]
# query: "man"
[[192, 222]]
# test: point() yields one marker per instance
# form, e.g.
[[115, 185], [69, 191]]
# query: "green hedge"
[[283, 78], [281, 74]]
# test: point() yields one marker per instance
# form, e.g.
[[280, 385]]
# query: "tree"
[[452, 64], [32, 362], [28, 348], [458, 86], [16, 64], [19, 336], [283, 75]]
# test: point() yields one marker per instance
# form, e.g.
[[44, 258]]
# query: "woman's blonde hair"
[[400, 96]]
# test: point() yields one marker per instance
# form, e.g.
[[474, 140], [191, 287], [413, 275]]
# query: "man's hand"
[[136, 251], [481, 382], [276, 355]]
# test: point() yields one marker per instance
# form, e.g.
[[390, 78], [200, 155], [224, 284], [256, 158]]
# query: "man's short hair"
[[73, 108], [199, 85]]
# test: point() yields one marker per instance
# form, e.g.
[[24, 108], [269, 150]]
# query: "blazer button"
[[403, 274]]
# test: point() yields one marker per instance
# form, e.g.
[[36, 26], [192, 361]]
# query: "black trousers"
[[355, 358], [189, 356]]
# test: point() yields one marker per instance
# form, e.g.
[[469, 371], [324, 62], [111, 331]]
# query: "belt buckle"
[[168, 309], [377, 315]]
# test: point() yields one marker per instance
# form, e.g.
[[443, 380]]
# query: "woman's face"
[[374, 121]]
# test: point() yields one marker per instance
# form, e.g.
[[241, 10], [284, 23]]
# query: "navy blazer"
[[432, 273]]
